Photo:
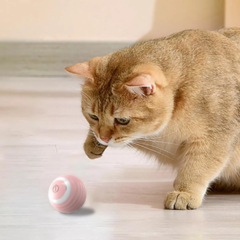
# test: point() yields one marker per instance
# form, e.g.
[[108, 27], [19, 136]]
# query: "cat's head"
[[123, 99]]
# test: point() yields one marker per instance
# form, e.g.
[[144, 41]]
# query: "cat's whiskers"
[[152, 150], [131, 147], [152, 140], [169, 134], [163, 135], [157, 148], [91, 133], [157, 139], [85, 125]]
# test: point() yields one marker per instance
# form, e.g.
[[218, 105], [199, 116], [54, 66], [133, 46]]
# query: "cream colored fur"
[[182, 96]]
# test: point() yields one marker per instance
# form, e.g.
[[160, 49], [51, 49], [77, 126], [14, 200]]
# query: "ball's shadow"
[[84, 211]]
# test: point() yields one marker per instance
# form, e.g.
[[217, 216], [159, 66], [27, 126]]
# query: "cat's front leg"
[[93, 148], [201, 164]]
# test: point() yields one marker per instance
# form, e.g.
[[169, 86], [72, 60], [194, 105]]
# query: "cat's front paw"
[[93, 148], [182, 201]]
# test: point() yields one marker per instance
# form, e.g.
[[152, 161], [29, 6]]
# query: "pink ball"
[[67, 194]]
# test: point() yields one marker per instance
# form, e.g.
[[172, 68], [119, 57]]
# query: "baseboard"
[[49, 59]]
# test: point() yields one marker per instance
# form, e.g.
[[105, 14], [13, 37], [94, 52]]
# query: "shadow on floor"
[[84, 211], [142, 193]]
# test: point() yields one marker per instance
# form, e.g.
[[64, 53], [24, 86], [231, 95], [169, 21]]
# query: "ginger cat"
[[175, 98]]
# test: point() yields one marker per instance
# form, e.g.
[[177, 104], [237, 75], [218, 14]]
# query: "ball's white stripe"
[[65, 195]]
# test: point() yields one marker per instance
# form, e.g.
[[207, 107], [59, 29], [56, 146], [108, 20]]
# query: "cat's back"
[[192, 46], [231, 33]]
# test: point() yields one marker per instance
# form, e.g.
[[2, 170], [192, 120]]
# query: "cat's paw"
[[182, 201], [93, 148]]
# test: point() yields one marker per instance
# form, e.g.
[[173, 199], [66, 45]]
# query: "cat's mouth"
[[114, 142]]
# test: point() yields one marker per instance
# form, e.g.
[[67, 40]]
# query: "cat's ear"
[[141, 85], [80, 69], [84, 69], [147, 78]]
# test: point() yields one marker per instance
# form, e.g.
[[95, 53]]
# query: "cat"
[[177, 99]]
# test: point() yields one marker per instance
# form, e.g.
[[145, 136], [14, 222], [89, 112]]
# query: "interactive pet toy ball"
[[67, 194]]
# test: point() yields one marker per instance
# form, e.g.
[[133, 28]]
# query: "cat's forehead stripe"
[[94, 107], [112, 109]]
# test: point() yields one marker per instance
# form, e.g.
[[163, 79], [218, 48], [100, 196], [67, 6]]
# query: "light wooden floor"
[[41, 137]]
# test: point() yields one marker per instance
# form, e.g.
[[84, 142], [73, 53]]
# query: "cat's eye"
[[123, 121], [95, 117]]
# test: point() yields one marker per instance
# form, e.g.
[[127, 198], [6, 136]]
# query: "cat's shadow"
[[142, 193], [138, 193]]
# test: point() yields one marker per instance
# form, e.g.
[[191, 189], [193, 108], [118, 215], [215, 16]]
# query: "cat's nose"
[[105, 139]]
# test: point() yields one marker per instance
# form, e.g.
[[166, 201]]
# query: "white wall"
[[104, 20], [232, 13]]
